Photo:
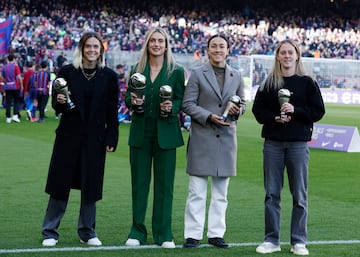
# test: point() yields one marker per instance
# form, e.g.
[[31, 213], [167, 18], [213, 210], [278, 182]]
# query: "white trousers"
[[195, 208]]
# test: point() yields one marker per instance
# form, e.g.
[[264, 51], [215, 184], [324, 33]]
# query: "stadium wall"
[[338, 79]]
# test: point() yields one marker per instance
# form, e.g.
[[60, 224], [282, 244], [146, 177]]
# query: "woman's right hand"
[[61, 99], [217, 120], [135, 100]]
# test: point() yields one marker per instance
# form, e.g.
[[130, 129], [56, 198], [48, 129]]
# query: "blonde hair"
[[168, 56], [78, 54], [275, 78]]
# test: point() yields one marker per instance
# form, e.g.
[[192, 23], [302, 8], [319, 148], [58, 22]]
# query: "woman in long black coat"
[[84, 135]]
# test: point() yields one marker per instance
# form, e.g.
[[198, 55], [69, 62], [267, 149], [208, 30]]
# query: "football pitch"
[[334, 197]]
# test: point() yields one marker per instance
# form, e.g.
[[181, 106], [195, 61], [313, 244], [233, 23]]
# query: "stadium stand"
[[326, 29]]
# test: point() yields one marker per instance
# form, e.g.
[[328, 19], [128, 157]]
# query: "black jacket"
[[78, 157]]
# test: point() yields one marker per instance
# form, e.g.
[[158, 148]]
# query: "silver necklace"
[[88, 76]]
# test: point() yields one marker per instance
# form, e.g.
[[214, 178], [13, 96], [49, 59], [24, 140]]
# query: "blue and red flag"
[[5, 34]]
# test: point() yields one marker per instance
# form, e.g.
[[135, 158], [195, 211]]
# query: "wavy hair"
[[168, 56], [275, 78], [78, 54]]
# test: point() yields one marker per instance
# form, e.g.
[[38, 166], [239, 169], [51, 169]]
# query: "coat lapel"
[[229, 78], [210, 77], [78, 91]]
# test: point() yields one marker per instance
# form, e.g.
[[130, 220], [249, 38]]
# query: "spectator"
[[27, 87], [124, 112], [13, 85], [255, 30], [42, 84]]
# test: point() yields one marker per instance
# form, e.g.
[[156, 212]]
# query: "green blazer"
[[168, 129]]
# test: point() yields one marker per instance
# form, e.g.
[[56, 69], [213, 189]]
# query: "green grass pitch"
[[334, 196]]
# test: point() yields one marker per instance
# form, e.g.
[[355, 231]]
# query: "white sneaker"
[[168, 244], [268, 247], [92, 241], [16, 118], [49, 242], [132, 242], [28, 115], [299, 249], [8, 120]]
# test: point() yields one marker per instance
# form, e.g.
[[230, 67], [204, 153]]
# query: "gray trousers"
[[56, 210], [294, 156]]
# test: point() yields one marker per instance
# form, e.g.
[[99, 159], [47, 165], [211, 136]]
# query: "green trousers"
[[163, 162]]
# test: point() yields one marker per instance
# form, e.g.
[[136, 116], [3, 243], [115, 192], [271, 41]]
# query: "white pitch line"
[[112, 248]]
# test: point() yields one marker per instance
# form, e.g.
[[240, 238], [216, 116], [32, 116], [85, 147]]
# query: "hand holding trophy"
[[60, 86], [234, 100], [284, 97], [165, 94], [137, 85]]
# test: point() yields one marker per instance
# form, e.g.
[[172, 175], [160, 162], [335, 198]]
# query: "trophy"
[[234, 100], [137, 85], [61, 87], [284, 97], [165, 94]]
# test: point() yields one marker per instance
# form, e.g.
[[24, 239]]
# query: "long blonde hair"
[[168, 56], [78, 54], [275, 78]]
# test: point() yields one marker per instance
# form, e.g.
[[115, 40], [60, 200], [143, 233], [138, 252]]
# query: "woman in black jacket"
[[84, 135]]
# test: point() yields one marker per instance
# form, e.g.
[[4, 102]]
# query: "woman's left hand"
[[109, 148], [166, 106], [287, 108]]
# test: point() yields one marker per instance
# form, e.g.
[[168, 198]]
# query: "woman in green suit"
[[153, 138]]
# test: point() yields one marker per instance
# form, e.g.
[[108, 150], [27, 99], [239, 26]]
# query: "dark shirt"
[[308, 108]]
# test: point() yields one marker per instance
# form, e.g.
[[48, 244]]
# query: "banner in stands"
[[5, 34]]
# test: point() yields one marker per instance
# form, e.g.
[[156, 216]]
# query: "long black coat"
[[78, 157]]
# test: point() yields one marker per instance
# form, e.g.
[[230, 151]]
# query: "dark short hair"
[[219, 35], [43, 64], [11, 57]]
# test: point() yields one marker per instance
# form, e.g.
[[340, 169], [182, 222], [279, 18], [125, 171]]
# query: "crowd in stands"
[[39, 27]]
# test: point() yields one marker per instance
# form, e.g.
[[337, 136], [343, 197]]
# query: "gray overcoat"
[[212, 150]]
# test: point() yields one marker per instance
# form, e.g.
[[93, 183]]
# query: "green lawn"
[[334, 202]]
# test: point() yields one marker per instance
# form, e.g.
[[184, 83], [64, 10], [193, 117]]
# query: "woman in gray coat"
[[212, 146]]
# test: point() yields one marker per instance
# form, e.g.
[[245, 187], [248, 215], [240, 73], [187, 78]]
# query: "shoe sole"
[[133, 244], [191, 246], [300, 254], [50, 245], [89, 244], [269, 251]]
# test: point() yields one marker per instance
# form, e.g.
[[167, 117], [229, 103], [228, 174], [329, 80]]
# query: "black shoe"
[[218, 242], [191, 243]]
